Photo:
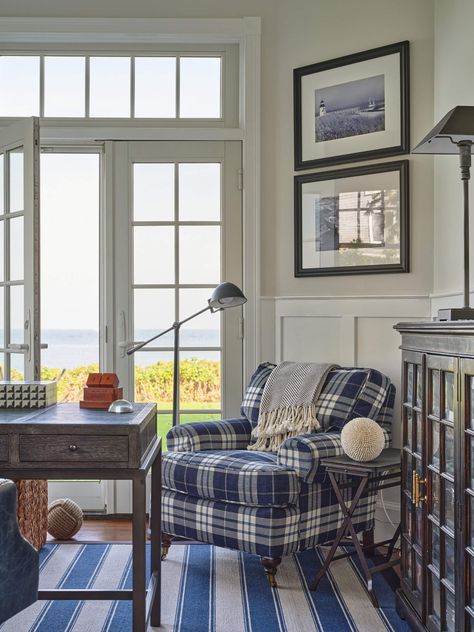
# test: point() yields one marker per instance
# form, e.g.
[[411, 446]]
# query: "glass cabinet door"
[[441, 396], [413, 479]]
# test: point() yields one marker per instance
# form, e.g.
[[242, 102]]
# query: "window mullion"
[[41, 95], [132, 86], [87, 88]]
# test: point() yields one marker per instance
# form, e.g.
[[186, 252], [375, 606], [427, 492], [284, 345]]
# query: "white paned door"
[[19, 251]]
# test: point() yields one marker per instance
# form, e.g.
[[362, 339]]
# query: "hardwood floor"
[[98, 530]]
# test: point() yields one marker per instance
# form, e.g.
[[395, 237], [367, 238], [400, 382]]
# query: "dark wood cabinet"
[[437, 497]]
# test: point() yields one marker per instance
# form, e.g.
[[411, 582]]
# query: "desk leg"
[[155, 585], [139, 551]]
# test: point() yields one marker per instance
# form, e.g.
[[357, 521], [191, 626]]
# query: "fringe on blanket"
[[274, 426]]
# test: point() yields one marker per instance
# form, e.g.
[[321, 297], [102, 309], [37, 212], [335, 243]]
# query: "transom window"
[[159, 86]]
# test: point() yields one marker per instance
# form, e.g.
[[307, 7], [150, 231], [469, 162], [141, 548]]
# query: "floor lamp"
[[224, 296], [454, 134]]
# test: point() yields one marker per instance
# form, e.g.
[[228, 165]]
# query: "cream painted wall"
[[453, 85], [294, 34]]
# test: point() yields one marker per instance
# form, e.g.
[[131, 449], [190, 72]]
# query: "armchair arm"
[[304, 453], [226, 434], [19, 561]]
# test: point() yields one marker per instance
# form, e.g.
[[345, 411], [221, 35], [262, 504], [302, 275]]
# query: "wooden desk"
[[67, 442]]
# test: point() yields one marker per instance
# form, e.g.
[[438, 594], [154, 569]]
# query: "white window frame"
[[48, 34]]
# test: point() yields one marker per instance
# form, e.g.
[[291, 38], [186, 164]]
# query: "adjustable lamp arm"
[[176, 325]]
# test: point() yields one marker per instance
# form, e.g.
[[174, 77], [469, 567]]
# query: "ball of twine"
[[362, 439], [64, 518]]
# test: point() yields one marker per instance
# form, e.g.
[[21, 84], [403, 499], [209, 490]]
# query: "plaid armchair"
[[270, 504]]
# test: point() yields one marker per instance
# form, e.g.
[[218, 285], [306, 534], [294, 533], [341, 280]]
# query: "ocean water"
[[70, 348]]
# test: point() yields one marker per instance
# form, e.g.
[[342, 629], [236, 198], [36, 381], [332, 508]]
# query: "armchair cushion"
[[235, 476], [228, 434], [253, 395], [304, 453]]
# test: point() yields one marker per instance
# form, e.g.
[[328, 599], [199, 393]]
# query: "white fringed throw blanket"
[[288, 403]]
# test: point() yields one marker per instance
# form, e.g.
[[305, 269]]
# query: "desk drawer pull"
[[73, 447]]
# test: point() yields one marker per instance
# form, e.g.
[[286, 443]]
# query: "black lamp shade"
[[226, 295], [456, 126]]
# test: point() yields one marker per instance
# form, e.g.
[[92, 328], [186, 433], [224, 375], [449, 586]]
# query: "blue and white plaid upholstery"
[[271, 504], [253, 394], [236, 476], [227, 434]]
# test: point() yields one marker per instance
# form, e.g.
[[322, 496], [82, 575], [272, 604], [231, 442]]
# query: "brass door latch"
[[416, 496]]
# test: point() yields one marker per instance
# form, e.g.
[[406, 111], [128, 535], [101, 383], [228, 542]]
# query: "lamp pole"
[[176, 326], [465, 164]]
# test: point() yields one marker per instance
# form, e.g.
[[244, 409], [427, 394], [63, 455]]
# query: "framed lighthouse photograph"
[[352, 108]]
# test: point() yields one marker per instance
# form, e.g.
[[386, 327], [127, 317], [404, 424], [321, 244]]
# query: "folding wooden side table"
[[381, 473]]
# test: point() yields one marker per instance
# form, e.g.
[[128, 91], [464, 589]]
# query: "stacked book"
[[101, 390], [28, 394]]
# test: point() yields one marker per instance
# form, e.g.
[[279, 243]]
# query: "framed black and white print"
[[352, 221], [352, 108]]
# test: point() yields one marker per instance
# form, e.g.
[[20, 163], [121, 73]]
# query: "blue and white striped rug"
[[207, 589]]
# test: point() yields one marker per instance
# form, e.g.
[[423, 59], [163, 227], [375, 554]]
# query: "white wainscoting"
[[350, 331]]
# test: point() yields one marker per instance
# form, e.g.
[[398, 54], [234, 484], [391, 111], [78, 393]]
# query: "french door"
[[19, 251], [170, 231]]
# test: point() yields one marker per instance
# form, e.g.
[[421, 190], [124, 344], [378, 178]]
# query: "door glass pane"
[[408, 518], [449, 558], [153, 192], [153, 254], [448, 504], [471, 381], [70, 200], [2, 317], [435, 596], [419, 526], [2, 185], [434, 425], [197, 264], [471, 580], [16, 249], [435, 495], [16, 182], [409, 438], [450, 611], [472, 461], [19, 85], [449, 449], [435, 545], [200, 87], [109, 87], [199, 192], [435, 398], [449, 396], [418, 573], [407, 562], [200, 380], [419, 385], [2, 252], [154, 311], [419, 432], [410, 384], [155, 87], [408, 472], [17, 314], [64, 86], [204, 330], [17, 367]]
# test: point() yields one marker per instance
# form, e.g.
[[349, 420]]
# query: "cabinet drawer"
[[3, 448], [73, 448]]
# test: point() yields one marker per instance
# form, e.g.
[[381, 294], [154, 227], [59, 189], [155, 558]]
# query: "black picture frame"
[[355, 150], [327, 241]]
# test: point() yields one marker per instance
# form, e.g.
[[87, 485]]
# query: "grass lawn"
[[164, 419]]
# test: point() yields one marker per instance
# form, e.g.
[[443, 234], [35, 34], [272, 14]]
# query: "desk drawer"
[[73, 448], [3, 448]]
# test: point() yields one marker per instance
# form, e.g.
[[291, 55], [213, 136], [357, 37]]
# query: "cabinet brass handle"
[[73, 447], [418, 499]]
